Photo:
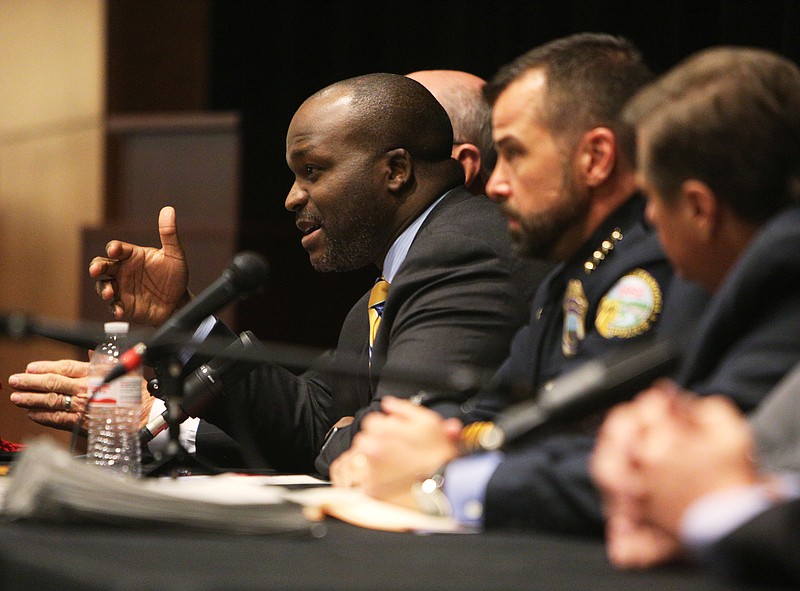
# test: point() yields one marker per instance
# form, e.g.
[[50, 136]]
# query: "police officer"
[[565, 181]]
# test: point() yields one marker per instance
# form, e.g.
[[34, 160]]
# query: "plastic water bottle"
[[114, 408]]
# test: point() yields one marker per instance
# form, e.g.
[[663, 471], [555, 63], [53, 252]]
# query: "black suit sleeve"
[[546, 486], [764, 550], [279, 415]]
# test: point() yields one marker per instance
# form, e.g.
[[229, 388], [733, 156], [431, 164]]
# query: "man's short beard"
[[342, 256], [540, 233]]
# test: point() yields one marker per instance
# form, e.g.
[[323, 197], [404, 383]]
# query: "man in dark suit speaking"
[[374, 183]]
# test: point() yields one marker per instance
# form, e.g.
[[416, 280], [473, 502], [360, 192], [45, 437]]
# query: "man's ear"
[[596, 155], [469, 157], [701, 207], [400, 169]]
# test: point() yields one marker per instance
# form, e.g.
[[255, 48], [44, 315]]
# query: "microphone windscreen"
[[248, 271]]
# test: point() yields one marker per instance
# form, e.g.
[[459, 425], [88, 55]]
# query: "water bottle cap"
[[116, 327]]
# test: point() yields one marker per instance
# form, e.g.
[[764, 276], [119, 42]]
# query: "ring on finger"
[[68, 403]]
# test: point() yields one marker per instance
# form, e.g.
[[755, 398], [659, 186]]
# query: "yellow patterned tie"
[[377, 298]]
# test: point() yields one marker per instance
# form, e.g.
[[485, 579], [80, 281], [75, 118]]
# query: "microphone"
[[18, 325], [206, 383], [247, 272], [593, 386]]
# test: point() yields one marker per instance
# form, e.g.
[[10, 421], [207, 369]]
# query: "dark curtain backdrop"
[[266, 57]]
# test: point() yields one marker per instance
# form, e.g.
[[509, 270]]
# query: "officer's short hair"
[[589, 77]]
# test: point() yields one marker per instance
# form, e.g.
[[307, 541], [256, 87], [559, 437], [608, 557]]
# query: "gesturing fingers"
[[104, 266], [106, 289], [168, 233]]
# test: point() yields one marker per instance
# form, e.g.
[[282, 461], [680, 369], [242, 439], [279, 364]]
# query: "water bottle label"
[[125, 391], [129, 391], [101, 394]]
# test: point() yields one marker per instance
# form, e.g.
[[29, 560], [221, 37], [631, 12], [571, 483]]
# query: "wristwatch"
[[429, 497]]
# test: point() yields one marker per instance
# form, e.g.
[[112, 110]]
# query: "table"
[[84, 557]]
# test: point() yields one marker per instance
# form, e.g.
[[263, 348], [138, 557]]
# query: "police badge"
[[575, 307]]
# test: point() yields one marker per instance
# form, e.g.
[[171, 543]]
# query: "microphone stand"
[[176, 460]]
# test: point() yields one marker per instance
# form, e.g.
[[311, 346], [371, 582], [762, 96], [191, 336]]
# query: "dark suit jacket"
[[764, 550], [748, 342], [749, 336], [458, 298], [767, 308], [746, 339]]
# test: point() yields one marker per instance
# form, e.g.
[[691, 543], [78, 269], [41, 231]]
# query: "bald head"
[[390, 111], [368, 154], [461, 95], [447, 83]]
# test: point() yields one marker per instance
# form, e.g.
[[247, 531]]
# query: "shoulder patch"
[[630, 307]]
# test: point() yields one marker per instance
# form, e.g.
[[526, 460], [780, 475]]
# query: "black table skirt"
[[65, 557]]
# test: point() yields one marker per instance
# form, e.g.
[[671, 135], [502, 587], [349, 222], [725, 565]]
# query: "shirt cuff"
[[715, 515], [465, 482], [187, 438]]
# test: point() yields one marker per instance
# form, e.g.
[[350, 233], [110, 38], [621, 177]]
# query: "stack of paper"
[[47, 483]]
